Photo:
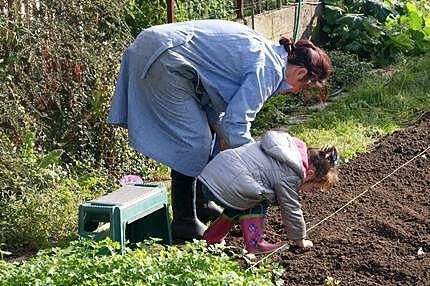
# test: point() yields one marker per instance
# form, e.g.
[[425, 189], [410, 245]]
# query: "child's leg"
[[252, 225], [207, 209], [259, 210], [218, 230]]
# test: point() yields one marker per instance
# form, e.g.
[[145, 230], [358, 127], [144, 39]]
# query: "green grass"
[[378, 106]]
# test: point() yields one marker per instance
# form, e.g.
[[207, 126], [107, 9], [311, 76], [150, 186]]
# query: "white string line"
[[344, 206], [371, 187]]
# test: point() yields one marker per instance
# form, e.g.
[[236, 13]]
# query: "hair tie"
[[334, 159], [332, 155]]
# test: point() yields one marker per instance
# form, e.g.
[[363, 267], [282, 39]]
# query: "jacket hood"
[[281, 146]]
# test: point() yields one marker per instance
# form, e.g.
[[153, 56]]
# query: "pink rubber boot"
[[253, 228], [218, 230]]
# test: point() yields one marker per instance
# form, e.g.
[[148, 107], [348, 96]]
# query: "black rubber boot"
[[206, 210], [185, 223]]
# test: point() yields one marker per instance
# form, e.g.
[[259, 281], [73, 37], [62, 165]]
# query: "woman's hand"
[[223, 145], [222, 142]]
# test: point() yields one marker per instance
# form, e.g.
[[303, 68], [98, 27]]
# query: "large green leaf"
[[373, 27], [413, 17], [354, 46], [378, 9], [378, 28], [354, 21], [332, 13], [402, 41], [426, 29]]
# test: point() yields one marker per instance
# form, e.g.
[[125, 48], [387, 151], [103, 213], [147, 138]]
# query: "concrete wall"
[[275, 23]]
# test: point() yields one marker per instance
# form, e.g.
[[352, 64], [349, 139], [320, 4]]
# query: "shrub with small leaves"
[[348, 69], [57, 76], [39, 199], [209, 9]]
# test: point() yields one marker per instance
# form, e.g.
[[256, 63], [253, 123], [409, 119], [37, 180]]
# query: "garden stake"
[[344, 206]]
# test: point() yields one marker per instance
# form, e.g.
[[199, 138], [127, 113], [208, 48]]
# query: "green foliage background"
[[57, 75], [379, 30], [210, 9], [141, 14]]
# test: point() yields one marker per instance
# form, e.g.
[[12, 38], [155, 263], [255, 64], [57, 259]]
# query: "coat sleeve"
[[288, 200], [254, 91]]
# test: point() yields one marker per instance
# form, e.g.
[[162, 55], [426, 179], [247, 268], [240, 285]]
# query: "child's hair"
[[325, 161]]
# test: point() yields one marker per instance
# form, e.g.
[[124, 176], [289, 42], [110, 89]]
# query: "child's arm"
[[292, 215]]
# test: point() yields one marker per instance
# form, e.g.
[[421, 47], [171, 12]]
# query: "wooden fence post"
[[2, 7], [258, 7], [9, 8], [170, 11], [239, 9]]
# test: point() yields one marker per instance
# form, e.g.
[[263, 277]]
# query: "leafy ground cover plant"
[[86, 262]]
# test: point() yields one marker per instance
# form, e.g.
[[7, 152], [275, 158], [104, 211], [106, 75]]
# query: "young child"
[[247, 179]]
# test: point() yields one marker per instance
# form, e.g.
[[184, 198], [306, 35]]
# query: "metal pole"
[[297, 22], [170, 11]]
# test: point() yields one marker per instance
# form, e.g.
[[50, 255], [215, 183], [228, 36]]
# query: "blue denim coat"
[[175, 79]]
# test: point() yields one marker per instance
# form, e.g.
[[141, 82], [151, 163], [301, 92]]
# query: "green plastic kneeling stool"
[[135, 212]]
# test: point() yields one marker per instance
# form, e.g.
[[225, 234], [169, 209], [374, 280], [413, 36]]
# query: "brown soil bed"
[[375, 240]]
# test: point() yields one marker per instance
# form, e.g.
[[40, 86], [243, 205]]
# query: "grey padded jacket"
[[270, 169]]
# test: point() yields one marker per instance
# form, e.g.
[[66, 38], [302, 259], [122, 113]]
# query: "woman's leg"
[[176, 133], [185, 223], [207, 209]]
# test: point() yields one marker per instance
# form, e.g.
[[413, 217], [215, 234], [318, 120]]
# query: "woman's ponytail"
[[288, 44]]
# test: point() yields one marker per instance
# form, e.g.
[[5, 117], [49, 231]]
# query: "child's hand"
[[304, 243]]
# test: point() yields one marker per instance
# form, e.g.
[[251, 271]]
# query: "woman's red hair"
[[305, 54]]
